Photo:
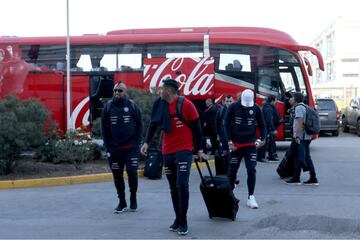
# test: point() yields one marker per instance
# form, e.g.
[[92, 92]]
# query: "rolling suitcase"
[[286, 166], [221, 164], [218, 195], [153, 164]]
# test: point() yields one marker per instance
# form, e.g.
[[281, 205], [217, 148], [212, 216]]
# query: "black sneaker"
[[183, 230], [174, 227], [120, 208], [133, 206], [133, 203], [293, 181], [311, 182]]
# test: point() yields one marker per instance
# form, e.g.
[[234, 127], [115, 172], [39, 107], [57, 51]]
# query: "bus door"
[[290, 82], [269, 83], [101, 90]]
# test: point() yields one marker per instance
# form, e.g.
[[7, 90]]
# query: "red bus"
[[207, 62]]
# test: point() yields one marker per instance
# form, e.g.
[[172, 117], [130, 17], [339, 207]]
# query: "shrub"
[[95, 152], [22, 125], [75, 148], [145, 100], [96, 128], [47, 151]]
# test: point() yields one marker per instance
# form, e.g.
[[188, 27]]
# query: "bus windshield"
[[269, 70]]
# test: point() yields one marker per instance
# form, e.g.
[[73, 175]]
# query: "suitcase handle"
[[209, 169]]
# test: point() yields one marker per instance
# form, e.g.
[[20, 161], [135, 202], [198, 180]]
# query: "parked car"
[[351, 116], [329, 115]]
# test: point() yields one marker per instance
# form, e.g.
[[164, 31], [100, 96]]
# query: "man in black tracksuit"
[[224, 147], [210, 124], [228, 100], [271, 116], [121, 126], [240, 123]]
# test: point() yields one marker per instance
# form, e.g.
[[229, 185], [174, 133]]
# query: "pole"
[[68, 82]]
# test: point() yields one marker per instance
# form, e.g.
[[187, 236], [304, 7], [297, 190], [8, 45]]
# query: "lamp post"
[[68, 82]]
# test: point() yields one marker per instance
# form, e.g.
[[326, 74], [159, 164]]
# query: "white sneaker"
[[251, 202]]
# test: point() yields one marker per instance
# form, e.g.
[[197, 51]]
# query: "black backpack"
[[311, 121]]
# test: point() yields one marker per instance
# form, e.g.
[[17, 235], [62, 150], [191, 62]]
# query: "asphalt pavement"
[[331, 210]]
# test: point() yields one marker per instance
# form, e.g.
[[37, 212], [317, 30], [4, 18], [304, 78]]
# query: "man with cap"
[[240, 123], [301, 141], [179, 131], [121, 127]]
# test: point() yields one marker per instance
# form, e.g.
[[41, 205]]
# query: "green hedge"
[[26, 125], [22, 126], [145, 100]]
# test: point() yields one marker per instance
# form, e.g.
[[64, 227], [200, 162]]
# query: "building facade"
[[339, 45]]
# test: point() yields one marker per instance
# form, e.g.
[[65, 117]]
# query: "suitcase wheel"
[[233, 219]]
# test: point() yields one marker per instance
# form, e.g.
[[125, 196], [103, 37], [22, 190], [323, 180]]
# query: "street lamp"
[[68, 82]]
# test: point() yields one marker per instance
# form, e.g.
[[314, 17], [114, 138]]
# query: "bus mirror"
[[309, 69]]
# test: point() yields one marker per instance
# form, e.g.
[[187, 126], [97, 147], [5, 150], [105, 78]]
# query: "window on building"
[[350, 75], [318, 76], [350, 59], [320, 47], [330, 44], [330, 71]]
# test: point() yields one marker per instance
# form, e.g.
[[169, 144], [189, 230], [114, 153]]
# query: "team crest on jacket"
[[251, 112], [126, 109]]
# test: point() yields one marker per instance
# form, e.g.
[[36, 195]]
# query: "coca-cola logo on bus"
[[195, 75], [80, 115]]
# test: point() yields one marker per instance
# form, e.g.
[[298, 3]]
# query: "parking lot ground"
[[331, 210]]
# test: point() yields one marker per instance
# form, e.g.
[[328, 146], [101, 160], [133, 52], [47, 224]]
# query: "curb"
[[58, 181]]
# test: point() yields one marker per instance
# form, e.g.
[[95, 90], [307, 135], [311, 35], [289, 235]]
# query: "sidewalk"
[[57, 181]]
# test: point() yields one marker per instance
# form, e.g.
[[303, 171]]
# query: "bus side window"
[[234, 62], [269, 81], [84, 62], [129, 62]]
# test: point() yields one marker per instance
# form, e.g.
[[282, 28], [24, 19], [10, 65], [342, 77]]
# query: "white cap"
[[247, 98]]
